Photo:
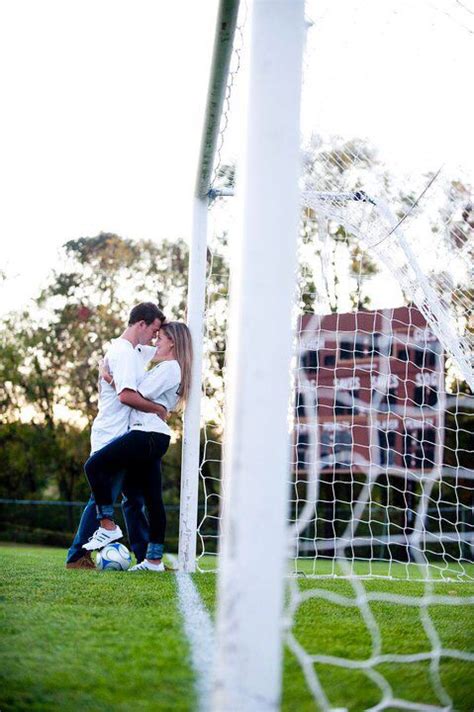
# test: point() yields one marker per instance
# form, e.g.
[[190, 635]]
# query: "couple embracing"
[[130, 436]]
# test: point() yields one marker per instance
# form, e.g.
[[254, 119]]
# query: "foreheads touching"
[[147, 319]]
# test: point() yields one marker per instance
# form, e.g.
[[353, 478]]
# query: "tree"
[[88, 304], [49, 355], [24, 461]]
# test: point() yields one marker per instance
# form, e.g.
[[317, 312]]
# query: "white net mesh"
[[379, 472], [382, 484], [383, 479], [213, 430], [431, 271]]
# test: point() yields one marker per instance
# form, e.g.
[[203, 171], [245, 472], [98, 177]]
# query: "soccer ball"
[[113, 557]]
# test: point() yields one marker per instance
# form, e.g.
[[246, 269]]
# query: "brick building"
[[374, 383]]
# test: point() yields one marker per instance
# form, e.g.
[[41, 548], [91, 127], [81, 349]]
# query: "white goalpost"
[[328, 437], [256, 472], [225, 29]]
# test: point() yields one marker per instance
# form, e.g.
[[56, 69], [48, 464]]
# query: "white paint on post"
[[257, 465], [192, 415]]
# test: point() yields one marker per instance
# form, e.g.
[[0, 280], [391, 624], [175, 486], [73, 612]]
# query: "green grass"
[[85, 640], [327, 628], [345, 634], [451, 571]]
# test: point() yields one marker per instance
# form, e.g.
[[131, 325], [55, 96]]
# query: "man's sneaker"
[[85, 562], [148, 566], [101, 537]]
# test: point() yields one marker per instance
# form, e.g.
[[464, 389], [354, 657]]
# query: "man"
[[127, 358]]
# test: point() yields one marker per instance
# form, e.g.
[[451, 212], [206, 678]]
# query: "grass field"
[[85, 640]]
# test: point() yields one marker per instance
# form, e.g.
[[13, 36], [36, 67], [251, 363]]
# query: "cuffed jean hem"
[[105, 511], [154, 551]]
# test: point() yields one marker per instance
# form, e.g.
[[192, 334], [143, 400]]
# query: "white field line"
[[199, 630]]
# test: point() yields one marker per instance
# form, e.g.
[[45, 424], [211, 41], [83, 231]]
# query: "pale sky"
[[398, 72], [102, 105], [100, 126]]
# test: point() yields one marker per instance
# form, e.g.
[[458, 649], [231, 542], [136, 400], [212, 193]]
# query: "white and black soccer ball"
[[113, 557]]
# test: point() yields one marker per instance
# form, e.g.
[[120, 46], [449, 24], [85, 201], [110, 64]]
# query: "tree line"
[[49, 356], [50, 351]]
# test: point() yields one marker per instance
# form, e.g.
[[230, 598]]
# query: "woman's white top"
[[160, 385]]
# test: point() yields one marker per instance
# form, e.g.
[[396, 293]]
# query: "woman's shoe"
[[101, 537], [147, 566]]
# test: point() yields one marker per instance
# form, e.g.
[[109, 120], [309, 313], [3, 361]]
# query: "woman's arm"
[[135, 400], [132, 398]]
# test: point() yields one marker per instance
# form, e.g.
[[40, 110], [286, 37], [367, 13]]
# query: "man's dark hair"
[[147, 312]]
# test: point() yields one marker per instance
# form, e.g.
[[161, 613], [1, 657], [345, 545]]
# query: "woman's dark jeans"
[[133, 513], [140, 454]]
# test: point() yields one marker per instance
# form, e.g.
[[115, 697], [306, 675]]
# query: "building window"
[[411, 449], [430, 358], [336, 449], [425, 396], [346, 350], [302, 450], [419, 357], [429, 445], [387, 439], [419, 448], [342, 448], [418, 395], [388, 400], [359, 348], [309, 360], [345, 403], [380, 348], [330, 360], [299, 405]]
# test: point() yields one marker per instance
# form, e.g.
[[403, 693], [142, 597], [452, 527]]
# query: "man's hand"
[[137, 401], [162, 413], [104, 371]]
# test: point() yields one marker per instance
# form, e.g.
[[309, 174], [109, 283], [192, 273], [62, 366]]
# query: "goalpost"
[[225, 29], [358, 465], [256, 472]]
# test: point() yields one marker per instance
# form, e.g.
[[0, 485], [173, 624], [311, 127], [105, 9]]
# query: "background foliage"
[[49, 352]]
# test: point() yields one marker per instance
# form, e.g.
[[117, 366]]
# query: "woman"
[[141, 449]]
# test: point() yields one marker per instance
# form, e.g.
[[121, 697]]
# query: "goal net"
[[381, 420], [381, 423], [379, 393], [382, 411]]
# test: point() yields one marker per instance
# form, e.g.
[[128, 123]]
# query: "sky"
[[396, 72], [103, 104], [100, 126]]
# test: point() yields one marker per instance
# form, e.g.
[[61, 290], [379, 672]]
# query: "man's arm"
[[135, 400]]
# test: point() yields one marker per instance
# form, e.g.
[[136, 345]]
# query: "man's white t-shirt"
[[127, 366], [160, 385]]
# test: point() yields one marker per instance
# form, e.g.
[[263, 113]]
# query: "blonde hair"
[[180, 335]]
